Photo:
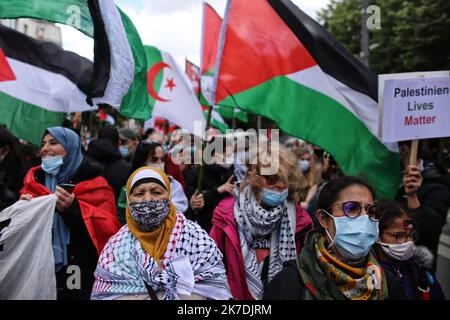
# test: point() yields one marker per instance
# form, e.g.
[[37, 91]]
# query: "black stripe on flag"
[[102, 53], [332, 57], [48, 56]]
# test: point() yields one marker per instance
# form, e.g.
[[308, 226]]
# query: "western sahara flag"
[[278, 62], [120, 69], [213, 11], [170, 91], [39, 83]]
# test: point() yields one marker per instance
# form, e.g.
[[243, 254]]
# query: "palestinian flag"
[[216, 119], [213, 12], [171, 94], [278, 62], [193, 73], [120, 69], [39, 83], [231, 113]]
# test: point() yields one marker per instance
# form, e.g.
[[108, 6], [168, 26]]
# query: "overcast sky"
[[171, 25]]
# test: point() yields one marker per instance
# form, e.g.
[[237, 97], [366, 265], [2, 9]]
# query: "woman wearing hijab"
[[149, 153], [85, 217], [261, 226], [158, 254], [336, 262]]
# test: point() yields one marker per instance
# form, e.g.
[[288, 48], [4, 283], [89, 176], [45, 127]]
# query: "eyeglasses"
[[352, 210], [403, 236]]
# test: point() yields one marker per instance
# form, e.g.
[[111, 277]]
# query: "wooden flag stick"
[[202, 165], [413, 152]]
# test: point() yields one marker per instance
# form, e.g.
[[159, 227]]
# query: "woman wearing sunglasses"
[[409, 264], [261, 226], [336, 262]]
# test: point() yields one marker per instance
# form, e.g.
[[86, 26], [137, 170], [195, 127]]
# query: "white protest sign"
[[416, 109], [382, 78]]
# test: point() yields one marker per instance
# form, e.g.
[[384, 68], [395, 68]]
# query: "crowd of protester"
[[133, 219]]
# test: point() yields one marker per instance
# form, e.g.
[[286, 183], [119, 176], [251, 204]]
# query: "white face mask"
[[401, 252]]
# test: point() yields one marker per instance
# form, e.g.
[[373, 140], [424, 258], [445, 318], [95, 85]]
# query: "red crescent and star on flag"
[[6, 72], [151, 76]]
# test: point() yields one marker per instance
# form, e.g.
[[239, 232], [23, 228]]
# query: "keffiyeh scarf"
[[192, 264], [272, 229]]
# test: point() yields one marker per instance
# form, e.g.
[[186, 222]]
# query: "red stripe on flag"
[[258, 47], [211, 32], [6, 73]]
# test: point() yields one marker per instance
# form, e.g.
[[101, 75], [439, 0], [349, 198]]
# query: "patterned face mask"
[[150, 214]]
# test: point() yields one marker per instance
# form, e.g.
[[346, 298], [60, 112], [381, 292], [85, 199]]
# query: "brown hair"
[[310, 176], [288, 172]]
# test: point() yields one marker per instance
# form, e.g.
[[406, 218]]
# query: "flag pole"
[[204, 144], [210, 105], [365, 34], [234, 120]]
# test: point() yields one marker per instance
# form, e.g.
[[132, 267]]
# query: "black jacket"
[[81, 250], [116, 170], [434, 198], [12, 172], [215, 175], [288, 285], [413, 276]]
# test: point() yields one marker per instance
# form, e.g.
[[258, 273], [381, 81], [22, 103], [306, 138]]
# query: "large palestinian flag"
[[213, 12], [39, 83], [278, 62], [120, 69]]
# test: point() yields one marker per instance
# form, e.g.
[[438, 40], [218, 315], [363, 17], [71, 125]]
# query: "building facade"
[[38, 29]]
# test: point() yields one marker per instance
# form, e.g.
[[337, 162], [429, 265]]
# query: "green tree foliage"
[[414, 34]]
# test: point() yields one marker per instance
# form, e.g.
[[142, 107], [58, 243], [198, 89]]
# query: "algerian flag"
[[278, 62], [120, 68], [171, 94], [213, 12], [39, 83], [193, 73]]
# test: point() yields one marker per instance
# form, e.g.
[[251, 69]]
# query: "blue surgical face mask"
[[124, 151], [304, 165], [354, 237], [274, 198], [52, 165]]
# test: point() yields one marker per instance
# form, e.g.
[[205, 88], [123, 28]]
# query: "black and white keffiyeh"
[[192, 264], [273, 229]]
